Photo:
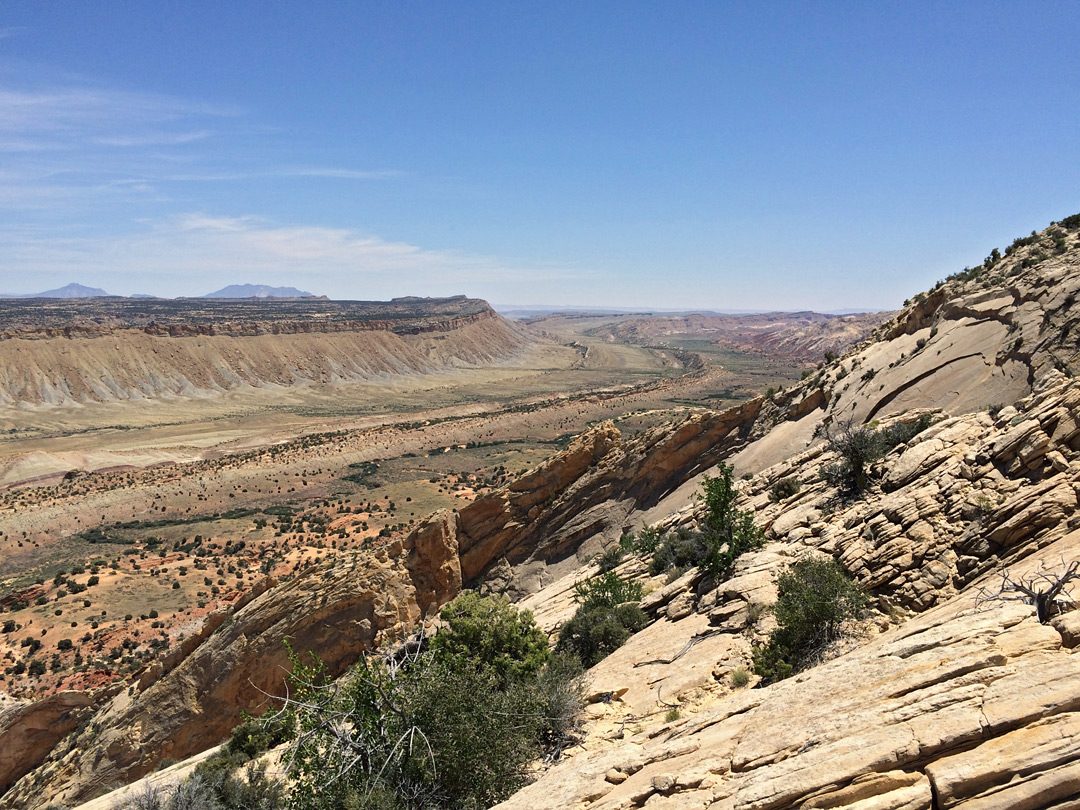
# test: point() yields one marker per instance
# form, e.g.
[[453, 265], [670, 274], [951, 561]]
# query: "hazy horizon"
[[839, 156]]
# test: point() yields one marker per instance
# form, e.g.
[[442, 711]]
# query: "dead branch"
[[1047, 591]]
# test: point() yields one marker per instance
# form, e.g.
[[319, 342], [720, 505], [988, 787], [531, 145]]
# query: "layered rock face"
[[39, 726], [943, 699], [553, 519], [970, 343], [957, 708], [178, 360], [237, 662]]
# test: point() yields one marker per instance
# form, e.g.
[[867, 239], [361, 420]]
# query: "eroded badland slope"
[[48, 356], [937, 701]]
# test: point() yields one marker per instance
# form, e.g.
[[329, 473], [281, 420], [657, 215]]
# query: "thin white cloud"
[[155, 139], [194, 253], [342, 174], [72, 141], [83, 110], [323, 172]]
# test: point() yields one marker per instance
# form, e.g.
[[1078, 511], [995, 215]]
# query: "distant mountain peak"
[[258, 291], [70, 291]]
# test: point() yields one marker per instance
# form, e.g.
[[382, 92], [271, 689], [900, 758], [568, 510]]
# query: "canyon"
[[943, 697]]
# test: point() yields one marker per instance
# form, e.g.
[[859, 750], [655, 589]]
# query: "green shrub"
[[678, 551], [434, 729], [596, 632], [610, 559], [815, 600], [645, 542], [739, 677], [606, 617], [861, 446], [490, 632], [607, 590], [255, 735], [728, 531]]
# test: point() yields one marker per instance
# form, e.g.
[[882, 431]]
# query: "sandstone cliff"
[[941, 700]]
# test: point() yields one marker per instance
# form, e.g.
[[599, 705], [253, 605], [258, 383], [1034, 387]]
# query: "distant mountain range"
[[232, 291], [258, 291]]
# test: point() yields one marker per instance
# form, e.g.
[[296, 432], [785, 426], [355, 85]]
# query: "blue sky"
[[681, 155]]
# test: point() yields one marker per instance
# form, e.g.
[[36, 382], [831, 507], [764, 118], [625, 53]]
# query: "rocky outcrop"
[[337, 610], [957, 708], [977, 340], [944, 698], [970, 493], [37, 727], [553, 518]]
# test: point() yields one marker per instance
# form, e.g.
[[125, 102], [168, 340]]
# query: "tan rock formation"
[[37, 727], [138, 364], [959, 707], [554, 518]]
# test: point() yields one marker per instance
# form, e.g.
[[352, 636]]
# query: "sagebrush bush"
[[607, 590], [816, 599], [679, 550], [595, 632], [784, 488]]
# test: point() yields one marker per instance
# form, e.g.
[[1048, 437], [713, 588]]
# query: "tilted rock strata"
[[238, 664], [558, 515], [38, 727], [966, 495], [972, 702], [957, 708], [963, 347]]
